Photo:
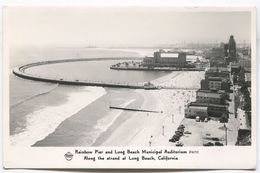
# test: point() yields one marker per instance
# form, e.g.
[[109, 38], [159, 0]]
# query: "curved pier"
[[20, 71]]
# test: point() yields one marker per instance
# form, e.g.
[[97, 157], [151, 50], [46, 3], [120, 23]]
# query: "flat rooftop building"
[[196, 110], [166, 59], [207, 96]]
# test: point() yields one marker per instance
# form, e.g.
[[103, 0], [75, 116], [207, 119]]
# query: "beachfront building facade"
[[211, 98], [207, 96], [215, 84], [219, 68], [192, 111], [217, 111], [217, 73], [162, 58], [216, 79], [195, 109]]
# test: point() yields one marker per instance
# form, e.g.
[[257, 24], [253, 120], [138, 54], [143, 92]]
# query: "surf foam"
[[42, 122]]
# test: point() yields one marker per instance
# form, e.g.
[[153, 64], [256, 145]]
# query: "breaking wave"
[[44, 121], [36, 95]]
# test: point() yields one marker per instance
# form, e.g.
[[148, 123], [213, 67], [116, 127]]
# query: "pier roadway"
[[20, 71], [177, 88]]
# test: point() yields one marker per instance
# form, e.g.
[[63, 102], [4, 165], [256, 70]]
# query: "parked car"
[[208, 144], [179, 144], [179, 133], [215, 139], [180, 130], [218, 144], [202, 119], [177, 137], [174, 138], [171, 140]]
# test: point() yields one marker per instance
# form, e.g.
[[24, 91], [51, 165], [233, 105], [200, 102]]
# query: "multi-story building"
[[220, 68], [218, 52], [248, 79], [246, 64], [204, 84], [235, 68], [232, 48], [207, 96], [166, 59], [194, 109], [218, 111], [217, 73], [214, 83]]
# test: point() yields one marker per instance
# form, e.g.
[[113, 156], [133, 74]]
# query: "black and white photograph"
[[129, 77]]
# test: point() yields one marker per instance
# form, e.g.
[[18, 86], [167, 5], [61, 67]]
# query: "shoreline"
[[148, 125], [131, 128], [140, 128], [124, 116], [43, 120]]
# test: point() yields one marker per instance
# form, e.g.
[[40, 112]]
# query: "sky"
[[118, 26]]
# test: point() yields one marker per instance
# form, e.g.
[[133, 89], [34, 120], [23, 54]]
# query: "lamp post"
[[225, 133], [163, 130], [150, 141]]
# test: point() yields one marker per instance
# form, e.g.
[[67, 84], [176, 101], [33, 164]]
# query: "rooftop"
[[198, 107], [215, 79], [169, 55], [207, 104], [208, 94], [215, 71]]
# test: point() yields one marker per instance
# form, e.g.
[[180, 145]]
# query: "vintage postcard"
[[129, 87]]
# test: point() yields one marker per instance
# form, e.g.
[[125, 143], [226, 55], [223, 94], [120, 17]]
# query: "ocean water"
[[44, 114], [97, 71], [43, 121], [89, 124]]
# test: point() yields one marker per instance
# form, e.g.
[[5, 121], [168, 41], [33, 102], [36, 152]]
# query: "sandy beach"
[[155, 129], [94, 124]]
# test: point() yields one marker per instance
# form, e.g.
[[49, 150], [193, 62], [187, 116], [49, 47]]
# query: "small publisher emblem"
[[68, 156]]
